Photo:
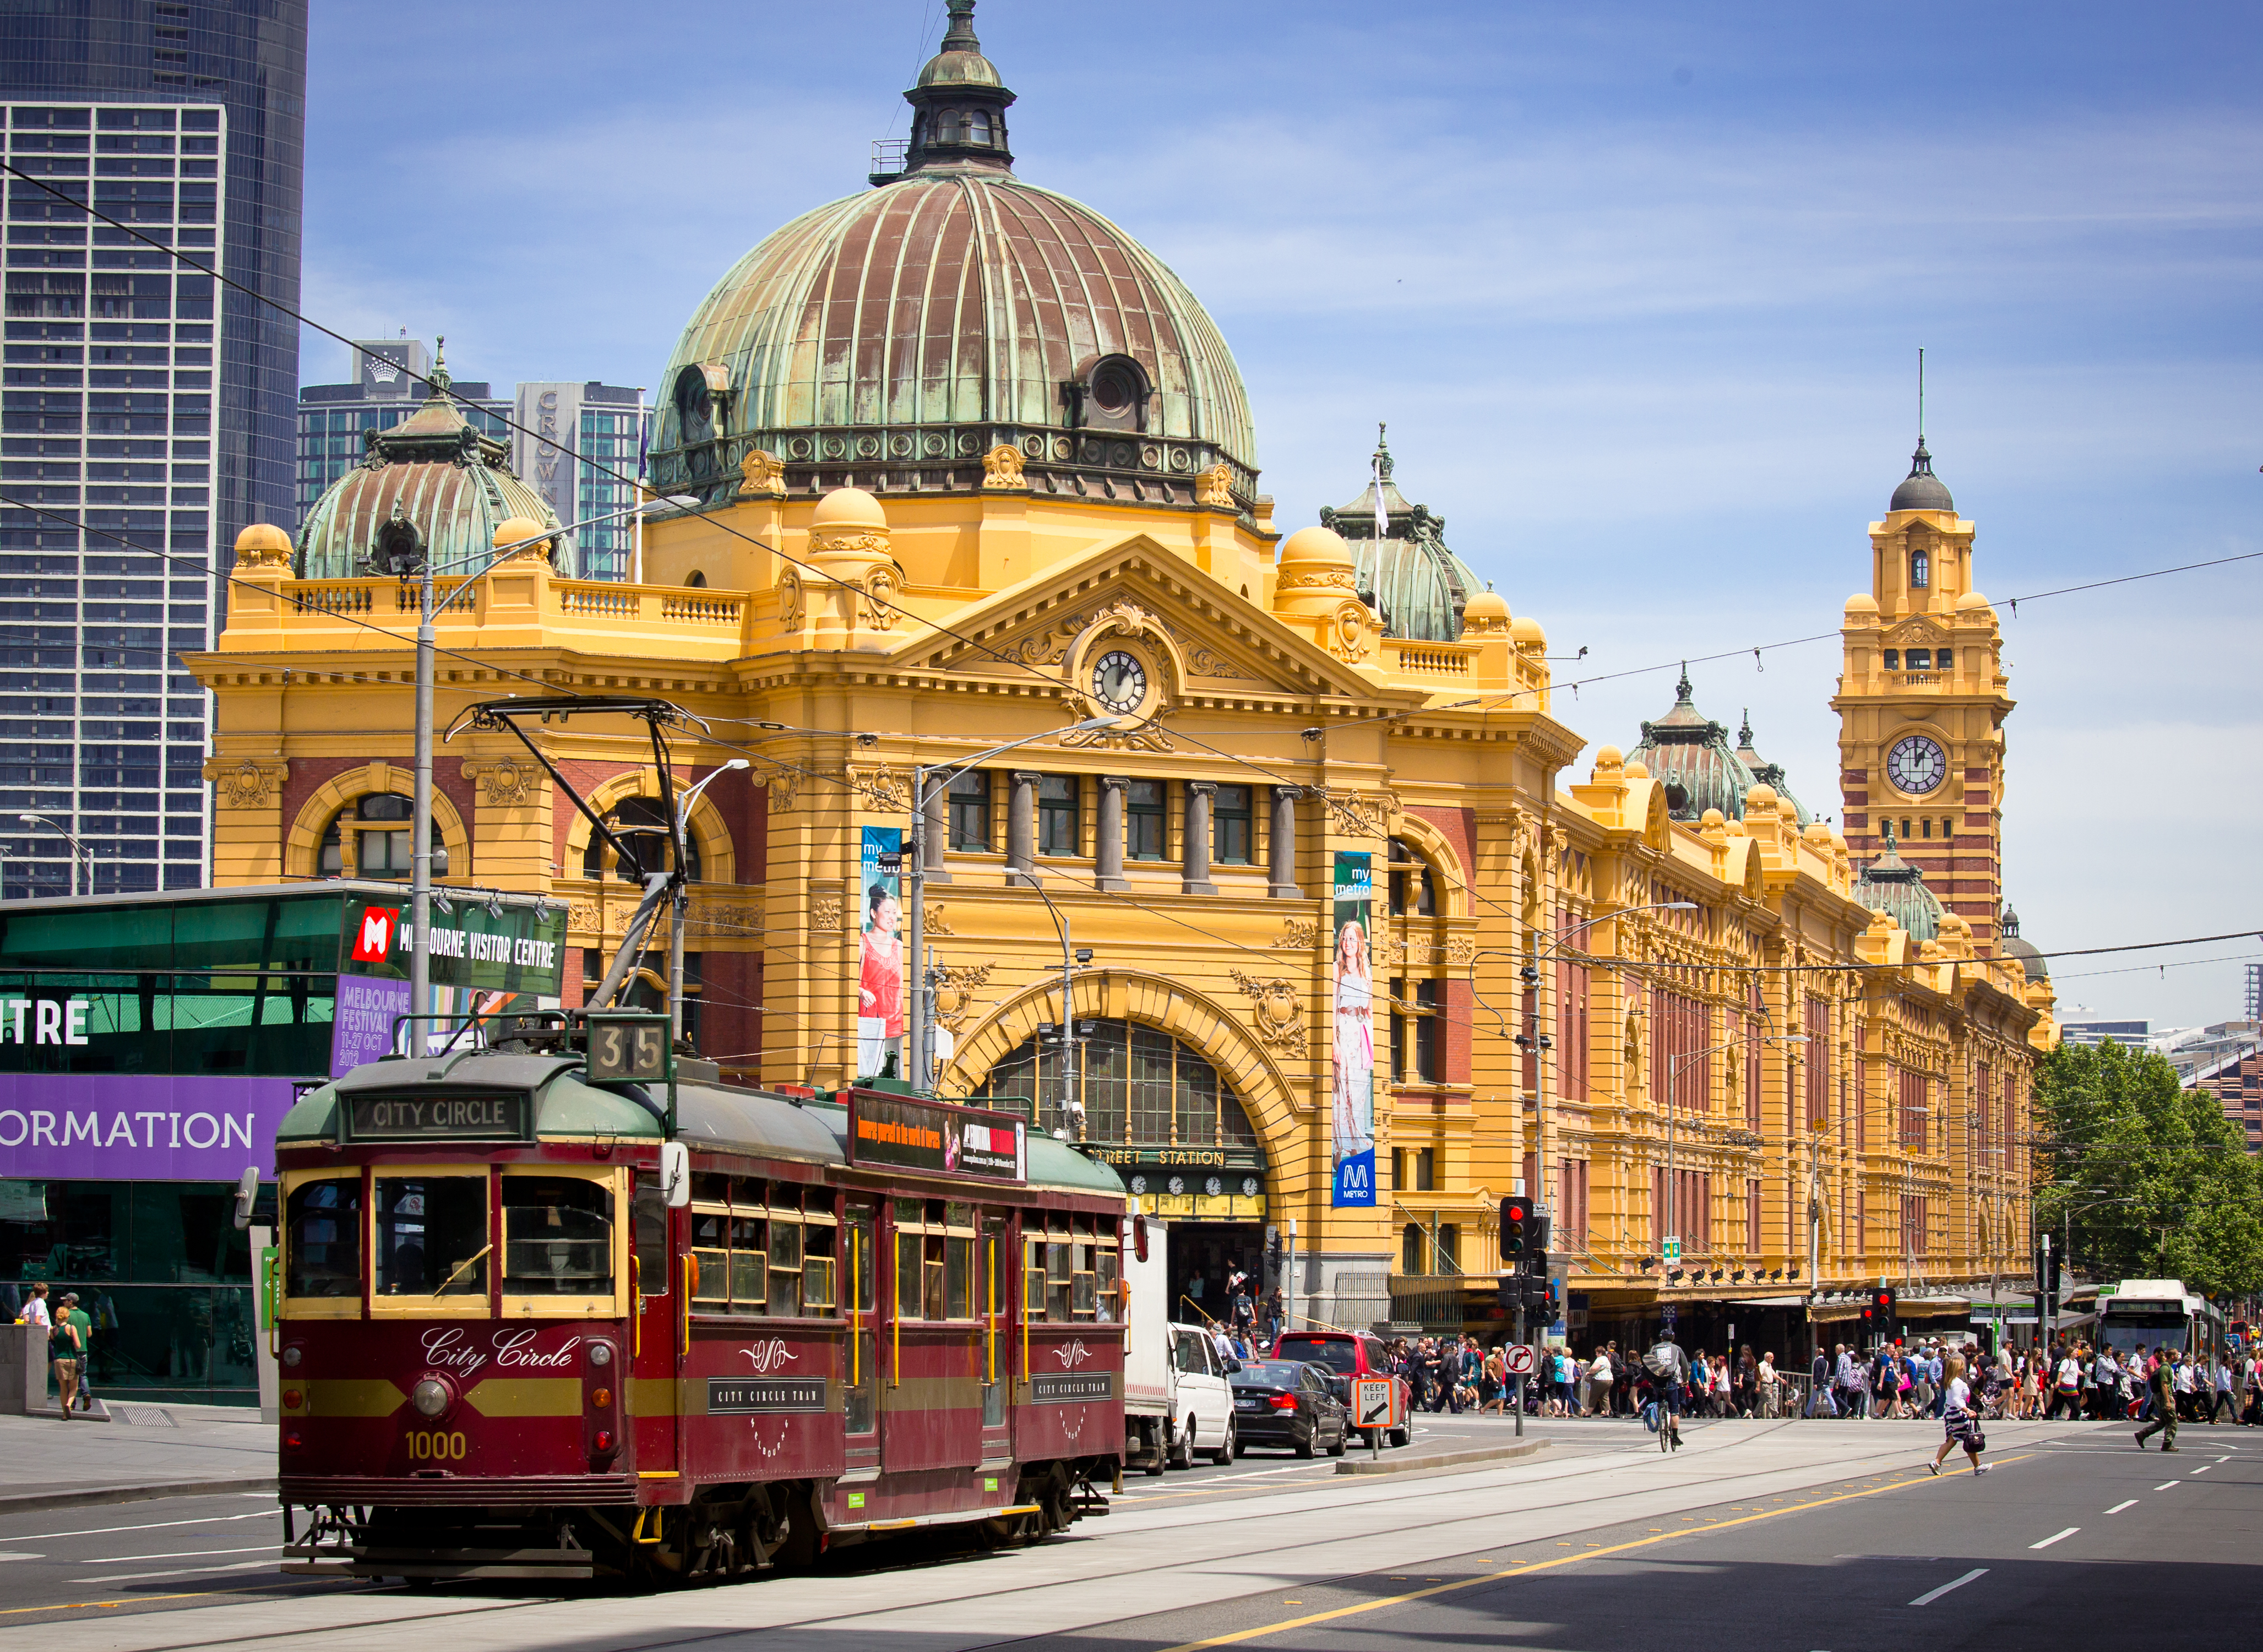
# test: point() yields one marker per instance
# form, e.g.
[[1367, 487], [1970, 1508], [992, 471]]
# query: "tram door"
[[932, 1404], [860, 1372], [655, 1333], [995, 1281]]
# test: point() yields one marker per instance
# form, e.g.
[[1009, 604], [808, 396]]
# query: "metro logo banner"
[[521, 949], [1352, 1146]]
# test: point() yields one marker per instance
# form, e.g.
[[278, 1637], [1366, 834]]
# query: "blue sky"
[[1638, 288]]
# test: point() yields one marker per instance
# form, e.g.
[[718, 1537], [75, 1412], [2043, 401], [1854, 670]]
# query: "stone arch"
[[302, 844], [718, 855], [1435, 847], [1209, 1028]]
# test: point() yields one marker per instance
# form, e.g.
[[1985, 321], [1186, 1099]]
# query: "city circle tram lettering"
[[489, 1116]]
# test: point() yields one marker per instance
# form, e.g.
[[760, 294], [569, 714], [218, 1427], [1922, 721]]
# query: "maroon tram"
[[523, 1335]]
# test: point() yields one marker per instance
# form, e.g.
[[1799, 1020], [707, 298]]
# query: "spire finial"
[[959, 36], [1889, 837], [1921, 397], [1745, 733], [1381, 450], [438, 378], [1681, 688]]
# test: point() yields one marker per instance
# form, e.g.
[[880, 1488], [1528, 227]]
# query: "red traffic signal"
[[1515, 1226]]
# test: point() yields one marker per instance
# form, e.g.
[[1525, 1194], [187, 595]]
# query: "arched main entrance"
[[1160, 1113]]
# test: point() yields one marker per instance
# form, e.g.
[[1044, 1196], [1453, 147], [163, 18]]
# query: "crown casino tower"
[[144, 411]]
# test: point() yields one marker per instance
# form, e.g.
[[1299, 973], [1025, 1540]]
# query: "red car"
[[1345, 1355]]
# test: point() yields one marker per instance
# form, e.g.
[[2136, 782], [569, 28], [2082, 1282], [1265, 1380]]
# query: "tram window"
[[932, 1303], [323, 1238], [651, 1210], [959, 1278], [817, 1269], [750, 1251], [785, 1268], [710, 1257], [910, 1250], [432, 1235], [1110, 1281], [557, 1237], [708, 1188], [1060, 1278]]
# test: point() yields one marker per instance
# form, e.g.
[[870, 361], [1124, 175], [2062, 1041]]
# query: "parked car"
[[1202, 1406], [1288, 1402], [1345, 1355], [1175, 1398]]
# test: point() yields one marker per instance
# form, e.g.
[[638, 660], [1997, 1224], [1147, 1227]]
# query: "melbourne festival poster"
[[880, 955], [1354, 1146]]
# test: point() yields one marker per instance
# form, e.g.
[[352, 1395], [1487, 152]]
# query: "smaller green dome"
[[960, 63], [1688, 753], [1892, 886], [430, 487], [1768, 774], [1404, 571]]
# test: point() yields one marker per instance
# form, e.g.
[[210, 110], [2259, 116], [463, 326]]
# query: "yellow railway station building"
[[954, 463]]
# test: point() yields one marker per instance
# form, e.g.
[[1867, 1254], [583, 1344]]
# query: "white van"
[[1176, 1400]]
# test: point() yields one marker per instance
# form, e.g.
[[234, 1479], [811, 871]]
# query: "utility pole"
[[420, 825]]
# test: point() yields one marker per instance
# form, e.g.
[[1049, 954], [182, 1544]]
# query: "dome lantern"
[[959, 107], [1690, 754], [1404, 570], [1922, 489]]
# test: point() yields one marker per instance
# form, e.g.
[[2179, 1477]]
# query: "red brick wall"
[[1453, 1045], [730, 1025], [1458, 827]]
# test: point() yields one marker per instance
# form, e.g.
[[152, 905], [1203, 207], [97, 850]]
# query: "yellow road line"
[[1262, 1630]]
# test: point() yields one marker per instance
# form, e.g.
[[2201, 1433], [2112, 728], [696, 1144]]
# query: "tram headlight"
[[293, 1355], [601, 1353], [430, 1397]]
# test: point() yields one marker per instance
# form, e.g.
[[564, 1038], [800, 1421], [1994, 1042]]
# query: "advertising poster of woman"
[[1353, 1148], [880, 955]]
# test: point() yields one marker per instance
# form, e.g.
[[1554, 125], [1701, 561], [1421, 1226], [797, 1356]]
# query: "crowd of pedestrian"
[[70, 1346]]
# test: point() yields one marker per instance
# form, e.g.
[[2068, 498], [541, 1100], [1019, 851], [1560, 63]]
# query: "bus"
[[2154, 1314]]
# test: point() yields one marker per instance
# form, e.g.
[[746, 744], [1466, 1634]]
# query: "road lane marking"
[[2118, 1507], [179, 1571], [178, 1554], [12, 1556], [154, 1525], [2056, 1537], [2203, 1468], [1932, 1595], [2169, 1485], [1235, 1637]]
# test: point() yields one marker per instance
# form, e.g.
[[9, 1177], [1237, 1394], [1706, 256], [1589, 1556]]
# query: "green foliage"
[[2156, 1182]]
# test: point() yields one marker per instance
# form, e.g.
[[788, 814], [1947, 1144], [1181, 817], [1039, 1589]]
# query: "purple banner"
[[363, 1031], [135, 1127]]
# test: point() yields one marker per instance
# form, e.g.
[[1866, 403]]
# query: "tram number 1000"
[[434, 1448]]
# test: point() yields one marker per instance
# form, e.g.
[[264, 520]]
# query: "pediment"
[[1919, 631], [1220, 645]]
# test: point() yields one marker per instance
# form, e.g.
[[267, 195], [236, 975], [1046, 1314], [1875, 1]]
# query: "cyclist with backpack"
[[1669, 1367]]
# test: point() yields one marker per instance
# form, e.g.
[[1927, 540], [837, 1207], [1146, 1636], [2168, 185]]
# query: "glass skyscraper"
[[389, 385], [139, 405]]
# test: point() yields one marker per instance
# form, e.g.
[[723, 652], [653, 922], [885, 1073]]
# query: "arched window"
[[695, 407], [978, 127], [1413, 885], [378, 825], [1139, 1087], [1921, 570], [639, 822], [697, 580]]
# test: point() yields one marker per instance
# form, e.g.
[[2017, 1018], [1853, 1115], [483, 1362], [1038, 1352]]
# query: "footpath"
[[145, 1450]]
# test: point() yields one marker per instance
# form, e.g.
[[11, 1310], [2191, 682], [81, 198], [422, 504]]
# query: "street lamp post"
[[683, 900], [927, 784], [420, 827], [77, 850]]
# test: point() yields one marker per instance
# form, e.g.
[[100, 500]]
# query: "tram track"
[[1255, 1535]]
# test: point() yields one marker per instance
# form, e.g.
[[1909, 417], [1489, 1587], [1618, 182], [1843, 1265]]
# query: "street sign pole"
[[1519, 1402]]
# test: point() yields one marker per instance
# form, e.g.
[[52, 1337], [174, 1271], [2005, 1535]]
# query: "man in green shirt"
[[2163, 1381], [81, 1318]]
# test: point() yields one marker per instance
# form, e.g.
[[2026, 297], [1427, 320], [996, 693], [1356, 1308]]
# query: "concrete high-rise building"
[[144, 412]]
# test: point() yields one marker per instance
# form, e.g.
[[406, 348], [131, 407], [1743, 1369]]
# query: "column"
[[937, 825], [1281, 850], [1108, 847], [1022, 829], [1193, 874]]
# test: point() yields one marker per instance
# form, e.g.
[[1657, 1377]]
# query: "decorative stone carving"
[[1146, 737], [1002, 467], [1461, 949], [247, 782], [1299, 936], [761, 472], [261, 545], [1214, 488], [955, 985], [877, 606], [1317, 579], [1348, 638], [506, 783], [1276, 1010], [936, 924], [721, 921], [887, 791], [789, 590], [581, 918], [785, 788], [825, 910], [857, 545]]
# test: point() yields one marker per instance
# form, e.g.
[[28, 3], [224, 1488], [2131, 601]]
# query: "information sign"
[[1672, 1249], [628, 1047], [502, 1115], [926, 1135]]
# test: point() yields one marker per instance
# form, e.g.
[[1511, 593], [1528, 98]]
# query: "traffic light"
[[1515, 1228], [1272, 1269], [1539, 1224], [1882, 1300]]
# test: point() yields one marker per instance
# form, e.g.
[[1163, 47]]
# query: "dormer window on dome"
[[1110, 394]]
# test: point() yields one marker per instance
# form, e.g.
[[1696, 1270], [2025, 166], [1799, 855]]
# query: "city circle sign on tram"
[[1375, 1403]]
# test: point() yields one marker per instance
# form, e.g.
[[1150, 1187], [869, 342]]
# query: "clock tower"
[[1921, 703]]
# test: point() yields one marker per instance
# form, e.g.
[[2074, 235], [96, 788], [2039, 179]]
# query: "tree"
[[2156, 1181]]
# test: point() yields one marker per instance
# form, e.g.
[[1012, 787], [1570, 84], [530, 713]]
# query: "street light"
[[420, 824], [76, 847], [684, 899], [917, 1056]]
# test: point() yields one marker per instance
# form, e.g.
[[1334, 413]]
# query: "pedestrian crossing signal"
[[1881, 1304], [1515, 1226]]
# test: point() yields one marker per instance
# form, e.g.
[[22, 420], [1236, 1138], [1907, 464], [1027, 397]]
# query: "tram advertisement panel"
[[880, 955], [1353, 1148], [948, 1141]]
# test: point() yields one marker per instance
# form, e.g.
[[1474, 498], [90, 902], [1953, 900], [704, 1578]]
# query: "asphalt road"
[[1801, 1536]]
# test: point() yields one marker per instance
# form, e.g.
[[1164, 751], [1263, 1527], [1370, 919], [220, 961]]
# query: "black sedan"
[[1287, 1402]]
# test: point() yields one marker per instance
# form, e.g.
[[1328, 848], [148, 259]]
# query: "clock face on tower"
[[1119, 681], [1917, 765]]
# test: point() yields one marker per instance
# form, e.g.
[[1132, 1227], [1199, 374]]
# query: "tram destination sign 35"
[[946, 1140], [500, 1115]]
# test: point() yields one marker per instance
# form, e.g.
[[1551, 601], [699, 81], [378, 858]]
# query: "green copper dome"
[[889, 340], [1892, 886], [430, 487], [1690, 754], [1406, 573]]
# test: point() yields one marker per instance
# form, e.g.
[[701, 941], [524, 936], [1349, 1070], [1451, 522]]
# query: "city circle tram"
[[523, 1332]]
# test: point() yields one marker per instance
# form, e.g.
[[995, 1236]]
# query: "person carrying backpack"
[[1669, 1368]]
